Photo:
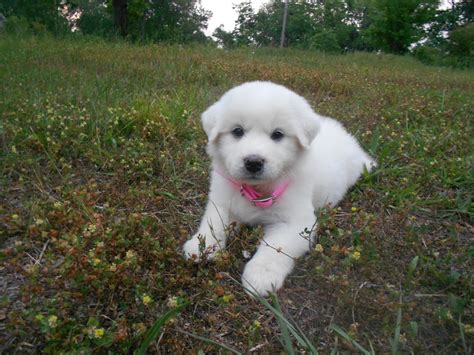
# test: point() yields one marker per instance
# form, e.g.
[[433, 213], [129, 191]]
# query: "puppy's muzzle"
[[254, 163]]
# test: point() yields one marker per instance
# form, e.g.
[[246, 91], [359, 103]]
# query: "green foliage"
[[18, 26], [95, 19], [434, 36], [42, 15], [224, 38], [325, 41], [343, 25], [244, 31], [172, 21], [396, 24], [428, 54], [457, 50], [308, 24], [177, 21], [461, 41], [155, 20]]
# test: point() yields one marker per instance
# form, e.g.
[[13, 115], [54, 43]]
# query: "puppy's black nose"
[[254, 163]]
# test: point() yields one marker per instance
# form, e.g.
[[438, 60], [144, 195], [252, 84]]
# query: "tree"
[[93, 18], [224, 39], [283, 27], [447, 20], [396, 24], [145, 20], [325, 41], [244, 31], [41, 15], [461, 41], [121, 16]]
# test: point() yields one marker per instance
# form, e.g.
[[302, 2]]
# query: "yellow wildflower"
[[99, 332], [96, 261], [356, 255], [468, 329], [146, 299], [53, 321], [227, 298], [130, 254], [319, 248], [172, 302]]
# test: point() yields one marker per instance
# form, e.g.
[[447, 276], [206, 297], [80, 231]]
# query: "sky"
[[222, 13]]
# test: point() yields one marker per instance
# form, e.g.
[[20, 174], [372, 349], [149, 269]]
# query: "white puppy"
[[274, 162]]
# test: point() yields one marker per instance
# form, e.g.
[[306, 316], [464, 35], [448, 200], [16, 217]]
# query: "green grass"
[[104, 176]]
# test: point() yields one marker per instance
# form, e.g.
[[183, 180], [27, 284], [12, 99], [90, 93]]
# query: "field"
[[104, 176]]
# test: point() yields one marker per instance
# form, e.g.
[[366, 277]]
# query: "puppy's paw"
[[263, 276], [197, 249]]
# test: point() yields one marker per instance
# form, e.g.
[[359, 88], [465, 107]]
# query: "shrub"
[[461, 40], [428, 54], [325, 41], [17, 26]]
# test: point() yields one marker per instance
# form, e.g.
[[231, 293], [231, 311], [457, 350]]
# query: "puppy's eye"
[[238, 132], [277, 135]]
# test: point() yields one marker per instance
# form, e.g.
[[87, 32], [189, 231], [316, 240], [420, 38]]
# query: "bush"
[[17, 26], [428, 54], [325, 41], [458, 52], [461, 40]]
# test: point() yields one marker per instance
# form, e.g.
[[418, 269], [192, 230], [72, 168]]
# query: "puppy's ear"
[[209, 121], [308, 128]]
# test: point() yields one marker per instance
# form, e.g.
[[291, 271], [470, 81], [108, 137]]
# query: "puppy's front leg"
[[211, 235], [275, 257]]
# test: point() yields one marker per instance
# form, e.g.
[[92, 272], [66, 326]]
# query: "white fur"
[[317, 155]]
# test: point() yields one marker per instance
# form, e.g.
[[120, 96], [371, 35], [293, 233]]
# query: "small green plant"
[[154, 331]]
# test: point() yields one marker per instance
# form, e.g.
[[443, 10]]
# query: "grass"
[[104, 176]]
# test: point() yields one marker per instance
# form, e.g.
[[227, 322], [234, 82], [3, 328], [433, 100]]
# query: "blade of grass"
[[280, 316], [375, 141], [412, 266], [295, 331], [213, 342], [286, 340], [396, 336], [372, 350], [156, 327], [463, 338], [339, 331]]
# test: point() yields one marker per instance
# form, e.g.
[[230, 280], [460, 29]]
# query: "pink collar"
[[249, 192]]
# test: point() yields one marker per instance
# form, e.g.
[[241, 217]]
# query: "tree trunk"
[[120, 16], [283, 27]]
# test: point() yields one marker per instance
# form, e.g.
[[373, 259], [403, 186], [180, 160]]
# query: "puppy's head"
[[258, 130]]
